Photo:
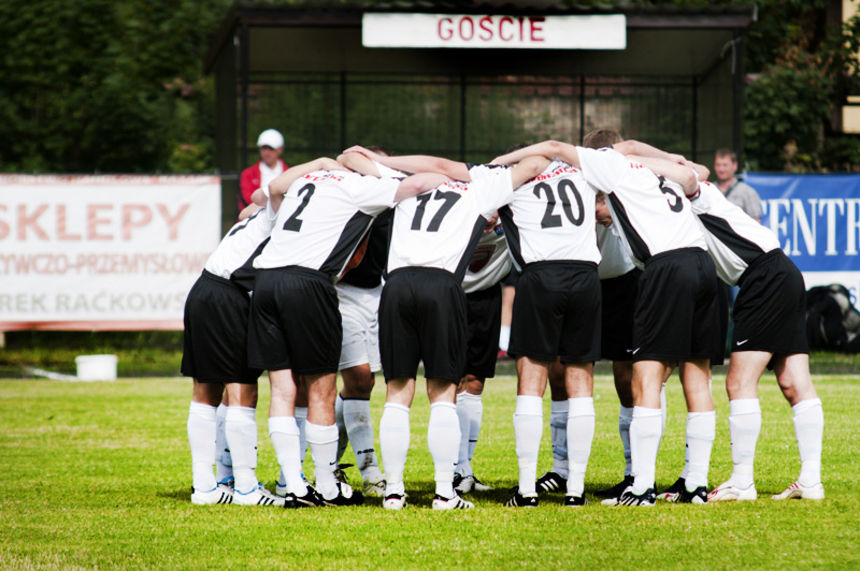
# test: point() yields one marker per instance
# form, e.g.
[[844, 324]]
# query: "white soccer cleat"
[[394, 502], [220, 494], [727, 491], [455, 503], [374, 488], [259, 496], [800, 492]]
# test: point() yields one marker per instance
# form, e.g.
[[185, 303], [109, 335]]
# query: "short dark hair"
[[599, 138], [723, 153]]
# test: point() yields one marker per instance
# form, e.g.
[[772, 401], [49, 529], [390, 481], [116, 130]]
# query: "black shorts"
[[619, 305], [677, 318], [216, 332], [484, 318], [510, 280], [557, 313], [770, 310], [295, 322], [422, 316]]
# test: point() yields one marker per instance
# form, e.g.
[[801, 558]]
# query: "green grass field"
[[98, 475]]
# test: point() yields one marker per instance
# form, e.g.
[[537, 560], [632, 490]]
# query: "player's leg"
[[646, 424], [321, 434], [555, 480], [201, 439], [358, 382], [470, 412], [223, 460], [792, 374], [394, 438], [443, 437], [579, 380], [701, 428], [745, 370], [528, 427]]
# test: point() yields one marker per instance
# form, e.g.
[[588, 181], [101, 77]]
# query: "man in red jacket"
[[271, 145]]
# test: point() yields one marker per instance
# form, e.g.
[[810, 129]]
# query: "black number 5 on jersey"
[[675, 206], [294, 223]]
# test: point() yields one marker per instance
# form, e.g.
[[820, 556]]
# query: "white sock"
[[443, 437], [645, 434], [394, 445], [223, 460], [284, 433], [342, 435], [558, 413], [580, 433], [701, 430], [241, 430], [664, 412], [528, 428], [201, 438], [322, 441], [356, 419], [301, 421], [744, 428], [504, 337], [625, 417], [809, 429], [470, 412]]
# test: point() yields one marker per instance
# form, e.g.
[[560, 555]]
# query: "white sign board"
[[402, 30], [103, 252]]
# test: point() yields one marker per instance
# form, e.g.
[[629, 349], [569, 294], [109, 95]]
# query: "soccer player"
[[216, 325], [295, 325], [675, 318], [423, 310], [770, 331], [489, 265]]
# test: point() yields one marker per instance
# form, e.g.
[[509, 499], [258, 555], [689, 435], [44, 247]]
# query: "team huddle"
[[375, 263]]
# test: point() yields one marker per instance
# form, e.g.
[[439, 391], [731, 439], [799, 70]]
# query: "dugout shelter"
[[318, 73]]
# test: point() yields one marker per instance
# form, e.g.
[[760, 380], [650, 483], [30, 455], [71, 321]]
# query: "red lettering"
[[447, 32], [509, 20], [129, 221], [62, 225], [172, 221], [485, 24], [24, 221], [467, 20], [537, 28], [4, 227], [93, 221]]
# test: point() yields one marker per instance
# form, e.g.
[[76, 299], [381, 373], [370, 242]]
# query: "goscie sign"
[[103, 252], [399, 30]]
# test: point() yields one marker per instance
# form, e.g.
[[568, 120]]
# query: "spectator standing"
[[736, 191], [271, 145]]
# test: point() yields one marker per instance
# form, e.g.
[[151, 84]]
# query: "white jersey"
[[440, 228], [734, 239], [551, 218], [652, 217], [490, 262], [239, 247], [323, 217], [614, 259]]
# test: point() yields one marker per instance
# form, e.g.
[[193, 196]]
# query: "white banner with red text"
[[103, 252]]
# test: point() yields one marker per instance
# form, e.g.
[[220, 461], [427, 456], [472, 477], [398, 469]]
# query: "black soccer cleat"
[[697, 496], [311, 499], [672, 493], [550, 482], [517, 500], [647, 498], [618, 489], [346, 496], [575, 501]]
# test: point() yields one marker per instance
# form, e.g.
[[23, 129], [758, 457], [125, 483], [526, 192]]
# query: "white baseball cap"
[[270, 138]]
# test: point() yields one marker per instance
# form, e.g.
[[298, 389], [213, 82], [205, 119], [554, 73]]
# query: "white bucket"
[[96, 367]]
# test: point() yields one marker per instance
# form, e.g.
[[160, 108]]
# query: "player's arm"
[[279, 186], [675, 172], [527, 169], [417, 183], [418, 163], [549, 149], [359, 163], [640, 149], [701, 171], [249, 211]]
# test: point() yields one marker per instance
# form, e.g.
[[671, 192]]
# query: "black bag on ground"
[[832, 322]]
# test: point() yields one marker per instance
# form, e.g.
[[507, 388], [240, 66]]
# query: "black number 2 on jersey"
[[294, 223]]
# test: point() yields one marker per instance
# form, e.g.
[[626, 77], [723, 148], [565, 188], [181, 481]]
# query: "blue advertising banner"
[[817, 220]]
